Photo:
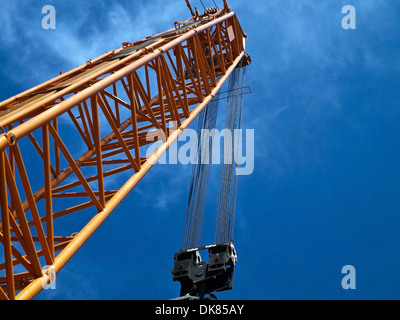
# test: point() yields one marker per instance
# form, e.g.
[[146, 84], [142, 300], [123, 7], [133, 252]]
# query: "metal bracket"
[[11, 139]]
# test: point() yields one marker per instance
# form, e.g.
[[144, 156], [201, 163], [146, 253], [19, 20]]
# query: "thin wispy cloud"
[[81, 34]]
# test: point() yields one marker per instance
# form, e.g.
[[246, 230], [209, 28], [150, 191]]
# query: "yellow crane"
[[131, 91]]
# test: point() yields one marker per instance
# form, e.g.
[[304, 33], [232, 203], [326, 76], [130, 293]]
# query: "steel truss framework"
[[105, 111]]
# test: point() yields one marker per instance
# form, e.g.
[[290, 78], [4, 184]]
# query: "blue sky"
[[326, 185]]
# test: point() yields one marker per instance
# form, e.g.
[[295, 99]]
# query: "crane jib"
[[73, 146]]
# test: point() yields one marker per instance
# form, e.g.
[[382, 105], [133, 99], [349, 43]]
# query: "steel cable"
[[200, 177], [228, 179], [227, 189]]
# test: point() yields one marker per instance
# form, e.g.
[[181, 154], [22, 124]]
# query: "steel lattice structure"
[[131, 91]]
